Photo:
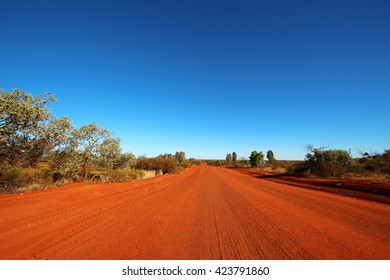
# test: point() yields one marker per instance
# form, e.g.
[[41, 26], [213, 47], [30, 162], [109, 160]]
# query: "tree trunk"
[[85, 168]]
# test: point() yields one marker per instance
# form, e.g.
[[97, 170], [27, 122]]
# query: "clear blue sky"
[[208, 77]]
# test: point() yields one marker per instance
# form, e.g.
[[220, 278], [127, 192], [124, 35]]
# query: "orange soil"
[[203, 213], [363, 189]]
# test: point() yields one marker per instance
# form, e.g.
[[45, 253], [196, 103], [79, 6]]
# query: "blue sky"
[[208, 77]]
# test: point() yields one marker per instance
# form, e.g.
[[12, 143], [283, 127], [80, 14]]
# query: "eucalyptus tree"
[[23, 123], [89, 139], [110, 150]]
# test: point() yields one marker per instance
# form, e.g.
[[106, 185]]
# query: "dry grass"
[[370, 176], [19, 180], [274, 170]]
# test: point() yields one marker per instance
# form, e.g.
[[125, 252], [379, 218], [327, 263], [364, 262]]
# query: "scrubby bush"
[[125, 175], [329, 163], [324, 163], [374, 162], [229, 159], [271, 158], [257, 159], [15, 179], [164, 165], [180, 157], [234, 159]]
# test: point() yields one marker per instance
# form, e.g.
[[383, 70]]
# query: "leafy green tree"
[[168, 156], [28, 133], [76, 149], [89, 139], [124, 161], [256, 159], [252, 158], [234, 159], [68, 164], [159, 164], [59, 134], [110, 151], [270, 157], [229, 159], [23, 120], [328, 163], [65, 157], [180, 157]]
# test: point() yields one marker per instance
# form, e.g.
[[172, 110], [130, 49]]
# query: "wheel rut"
[[204, 212]]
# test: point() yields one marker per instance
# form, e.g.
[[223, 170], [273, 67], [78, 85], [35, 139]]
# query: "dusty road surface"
[[203, 213]]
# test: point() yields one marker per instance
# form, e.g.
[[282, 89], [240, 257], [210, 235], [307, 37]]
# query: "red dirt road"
[[203, 213]]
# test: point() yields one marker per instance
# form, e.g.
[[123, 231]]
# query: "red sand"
[[204, 212]]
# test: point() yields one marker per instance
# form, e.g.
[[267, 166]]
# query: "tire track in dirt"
[[330, 226], [204, 212], [62, 225], [250, 220]]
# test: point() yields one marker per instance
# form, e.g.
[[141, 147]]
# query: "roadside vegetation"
[[38, 150], [335, 163], [318, 163]]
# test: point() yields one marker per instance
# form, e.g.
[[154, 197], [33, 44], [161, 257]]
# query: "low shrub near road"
[[122, 175], [158, 164], [24, 179]]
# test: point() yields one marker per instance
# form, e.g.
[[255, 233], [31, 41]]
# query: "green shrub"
[[124, 175], [159, 164], [257, 159], [324, 163], [19, 179]]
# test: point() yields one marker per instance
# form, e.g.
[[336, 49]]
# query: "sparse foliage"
[[256, 159], [169, 156], [180, 157], [229, 159], [234, 159], [159, 164], [375, 162], [270, 157], [23, 122], [328, 163], [89, 140], [30, 136], [59, 134], [110, 150], [125, 161]]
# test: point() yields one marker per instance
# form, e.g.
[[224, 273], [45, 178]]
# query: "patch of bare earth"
[[204, 212], [362, 189]]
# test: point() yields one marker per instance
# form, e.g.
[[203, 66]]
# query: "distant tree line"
[[256, 159], [318, 162]]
